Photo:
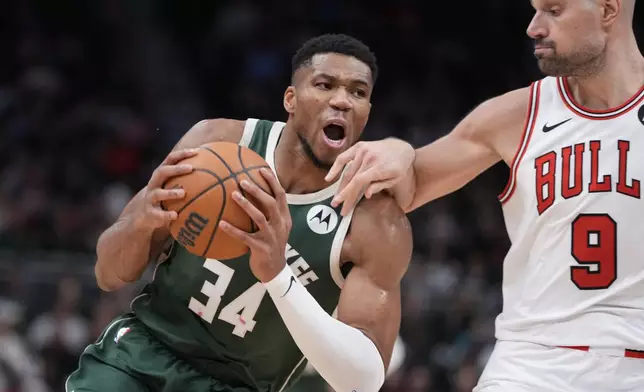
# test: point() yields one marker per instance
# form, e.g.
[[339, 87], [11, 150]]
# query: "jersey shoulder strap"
[[256, 135]]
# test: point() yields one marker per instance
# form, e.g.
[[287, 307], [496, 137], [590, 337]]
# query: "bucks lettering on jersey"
[[217, 316]]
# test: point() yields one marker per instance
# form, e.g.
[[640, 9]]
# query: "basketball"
[[218, 171]]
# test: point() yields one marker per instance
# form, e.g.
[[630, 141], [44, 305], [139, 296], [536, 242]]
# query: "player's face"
[[330, 104], [569, 37]]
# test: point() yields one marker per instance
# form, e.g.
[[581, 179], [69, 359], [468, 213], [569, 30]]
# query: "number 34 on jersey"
[[240, 312]]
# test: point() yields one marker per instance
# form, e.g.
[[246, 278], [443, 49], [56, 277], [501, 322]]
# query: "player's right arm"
[[138, 236], [490, 133]]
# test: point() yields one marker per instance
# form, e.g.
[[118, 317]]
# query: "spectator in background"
[[20, 371], [93, 94], [61, 334]]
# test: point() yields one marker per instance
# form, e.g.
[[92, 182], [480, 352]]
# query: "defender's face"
[[330, 103], [568, 35]]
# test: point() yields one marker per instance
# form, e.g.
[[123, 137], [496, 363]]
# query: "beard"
[[587, 60]]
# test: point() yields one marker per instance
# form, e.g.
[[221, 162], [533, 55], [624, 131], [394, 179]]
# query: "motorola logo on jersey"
[[192, 228], [322, 219], [640, 114]]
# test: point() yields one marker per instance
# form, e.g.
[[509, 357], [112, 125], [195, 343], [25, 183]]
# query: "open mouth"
[[334, 134]]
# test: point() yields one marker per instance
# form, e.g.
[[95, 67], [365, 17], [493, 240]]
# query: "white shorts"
[[529, 367]]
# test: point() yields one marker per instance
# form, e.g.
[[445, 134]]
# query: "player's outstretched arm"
[[138, 236], [437, 169], [353, 351], [472, 147]]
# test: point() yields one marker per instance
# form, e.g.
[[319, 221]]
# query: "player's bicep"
[[212, 130], [381, 245], [484, 137], [373, 310]]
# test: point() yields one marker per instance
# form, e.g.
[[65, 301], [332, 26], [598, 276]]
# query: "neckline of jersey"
[[571, 103], [293, 198]]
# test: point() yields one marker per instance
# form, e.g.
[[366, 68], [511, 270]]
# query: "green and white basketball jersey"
[[218, 317]]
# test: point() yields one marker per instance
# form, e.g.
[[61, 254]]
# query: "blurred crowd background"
[[93, 94]]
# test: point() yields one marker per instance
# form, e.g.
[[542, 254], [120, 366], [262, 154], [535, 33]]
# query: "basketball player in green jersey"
[[315, 286]]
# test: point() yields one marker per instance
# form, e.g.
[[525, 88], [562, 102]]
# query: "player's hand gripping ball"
[[273, 220], [218, 170]]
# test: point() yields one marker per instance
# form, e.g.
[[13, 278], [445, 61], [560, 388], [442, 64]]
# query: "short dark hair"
[[335, 43]]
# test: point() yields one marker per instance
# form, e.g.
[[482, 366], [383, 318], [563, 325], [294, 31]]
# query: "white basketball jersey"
[[573, 208]]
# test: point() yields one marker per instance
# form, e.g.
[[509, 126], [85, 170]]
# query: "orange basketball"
[[218, 170]]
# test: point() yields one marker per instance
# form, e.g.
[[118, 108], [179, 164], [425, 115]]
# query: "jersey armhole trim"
[[163, 257], [528, 127], [336, 249], [249, 130]]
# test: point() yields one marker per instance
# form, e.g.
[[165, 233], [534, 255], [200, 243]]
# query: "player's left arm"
[[353, 351], [379, 246]]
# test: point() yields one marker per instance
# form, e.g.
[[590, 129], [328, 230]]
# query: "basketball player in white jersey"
[[573, 284]]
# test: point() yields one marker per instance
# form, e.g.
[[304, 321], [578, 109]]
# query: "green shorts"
[[127, 358]]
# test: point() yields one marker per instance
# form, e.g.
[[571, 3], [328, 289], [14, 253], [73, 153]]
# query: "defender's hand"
[[268, 244], [150, 215], [371, 168]]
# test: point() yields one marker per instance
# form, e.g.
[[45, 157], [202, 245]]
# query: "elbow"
[[101, 281], [367, 378], [98, 271], [377, 375], [365, 372], [104, 287], [98, 268]]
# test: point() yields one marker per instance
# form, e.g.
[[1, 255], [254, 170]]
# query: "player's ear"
[[289, 100], [610, 9]]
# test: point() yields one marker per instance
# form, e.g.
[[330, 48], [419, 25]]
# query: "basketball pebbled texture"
[[219, 168]]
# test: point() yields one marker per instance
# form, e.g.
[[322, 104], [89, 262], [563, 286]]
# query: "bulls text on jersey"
[[571, 160]]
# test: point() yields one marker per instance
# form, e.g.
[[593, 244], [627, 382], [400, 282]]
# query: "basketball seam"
[[234, 175], [207, 189], [219, 181], [221, 213], [246, 170], [223, 204], [162, 205], [253, 226]]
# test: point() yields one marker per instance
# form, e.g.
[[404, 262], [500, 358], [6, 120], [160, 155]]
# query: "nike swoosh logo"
[[547, 128], [289, 286]]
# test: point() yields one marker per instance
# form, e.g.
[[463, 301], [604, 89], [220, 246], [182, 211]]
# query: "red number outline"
[[605, 227]]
